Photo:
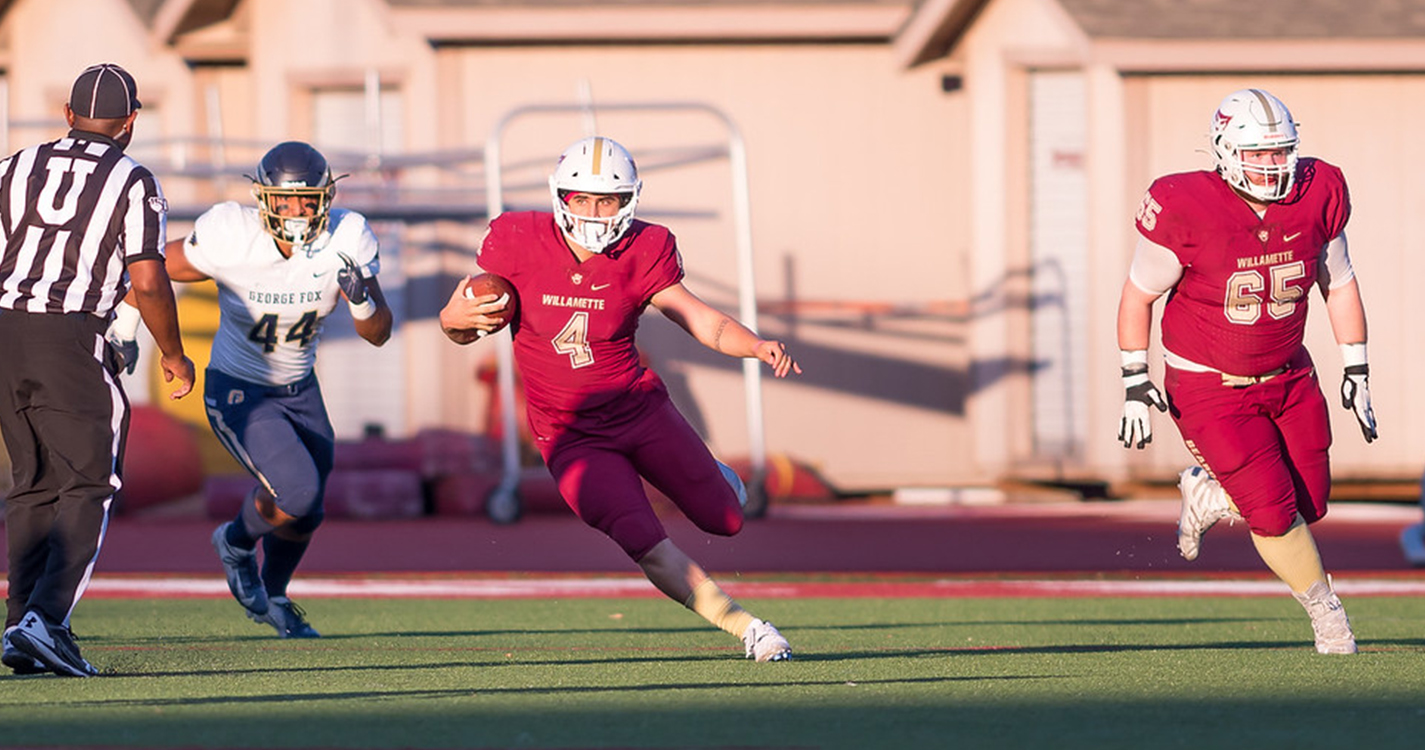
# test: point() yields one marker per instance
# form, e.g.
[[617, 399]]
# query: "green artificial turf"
[[869, 673]]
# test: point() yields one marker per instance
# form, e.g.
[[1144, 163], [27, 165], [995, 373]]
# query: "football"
[[484, 284]]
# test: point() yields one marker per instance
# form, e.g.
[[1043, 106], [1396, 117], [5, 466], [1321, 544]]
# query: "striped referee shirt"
[[74, 213]]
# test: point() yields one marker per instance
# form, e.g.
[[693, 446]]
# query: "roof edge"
[[933, 30]]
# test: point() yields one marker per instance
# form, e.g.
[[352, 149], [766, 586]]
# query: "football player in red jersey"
[[1237, 252], [584, 274]]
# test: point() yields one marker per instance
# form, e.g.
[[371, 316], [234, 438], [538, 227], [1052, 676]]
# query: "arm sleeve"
[[666, 268], [363, 246], [212, 224], [492, 257], [145, 219], [1155, 268], [6, 185], [1335, 268]]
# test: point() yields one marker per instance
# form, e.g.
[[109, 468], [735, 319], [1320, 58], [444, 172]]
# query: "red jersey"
[[1240, 306], [575, 326]]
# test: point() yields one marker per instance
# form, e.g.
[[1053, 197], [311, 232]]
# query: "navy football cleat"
[[289, 619], [240, 567]]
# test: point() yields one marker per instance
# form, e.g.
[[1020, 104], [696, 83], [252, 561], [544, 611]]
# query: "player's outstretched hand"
[[775, 354], [178, 368], [1135, 428], [350, 281], [1356, 396]]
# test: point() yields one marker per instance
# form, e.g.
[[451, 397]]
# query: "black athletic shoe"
[[51, 645], [18, 662]]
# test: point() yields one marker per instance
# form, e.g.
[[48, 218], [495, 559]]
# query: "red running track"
[[1091, 537]]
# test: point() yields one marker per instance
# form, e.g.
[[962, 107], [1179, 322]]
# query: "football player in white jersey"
[[280, 267]]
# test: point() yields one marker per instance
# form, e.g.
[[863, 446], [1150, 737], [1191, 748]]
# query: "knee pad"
[[728, 523], [301, 500], [308, 523], [711, 507], [298, 510], [1273, 521]]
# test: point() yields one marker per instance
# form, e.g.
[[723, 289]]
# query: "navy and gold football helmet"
[[294, 169]]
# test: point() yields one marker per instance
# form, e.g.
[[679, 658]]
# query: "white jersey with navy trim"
[[273, 307]]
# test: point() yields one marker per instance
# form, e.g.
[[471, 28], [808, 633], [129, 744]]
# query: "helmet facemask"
[[298, 230], [596, 166], [594, 233], [294, 170], [1254, 120]]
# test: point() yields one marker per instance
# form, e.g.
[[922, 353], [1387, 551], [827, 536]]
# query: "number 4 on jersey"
[[573, 340], [264, 331]]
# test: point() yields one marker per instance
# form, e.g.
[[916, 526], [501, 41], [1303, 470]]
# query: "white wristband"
[[1353, 354], [1132, 357], [126, 322], [364, 310]]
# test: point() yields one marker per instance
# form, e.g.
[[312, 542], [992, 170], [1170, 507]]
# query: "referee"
[[82, 223]]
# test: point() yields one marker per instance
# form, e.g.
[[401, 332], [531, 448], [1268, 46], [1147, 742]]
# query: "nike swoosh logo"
[[1291, 237], [323, 273], [597, 287]]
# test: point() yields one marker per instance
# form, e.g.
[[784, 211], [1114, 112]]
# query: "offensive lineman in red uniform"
[[584, 275], [1237, 252]]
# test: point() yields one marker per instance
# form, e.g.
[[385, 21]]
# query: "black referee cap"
[[104, 92]]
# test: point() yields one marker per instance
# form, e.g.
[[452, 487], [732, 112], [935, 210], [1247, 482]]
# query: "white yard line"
[[385, 586]]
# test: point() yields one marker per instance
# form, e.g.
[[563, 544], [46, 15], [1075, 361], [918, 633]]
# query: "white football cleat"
[[1204, 504], [764, 643], [1328, 619]]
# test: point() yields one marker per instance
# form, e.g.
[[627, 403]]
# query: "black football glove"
[[349, 278], [1356, 396], [1134, 427]]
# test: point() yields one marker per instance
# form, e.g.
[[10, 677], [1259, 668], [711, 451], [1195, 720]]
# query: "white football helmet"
[[600, 166], [1248, 120]]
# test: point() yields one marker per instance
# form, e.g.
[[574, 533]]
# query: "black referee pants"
[[64, 417]]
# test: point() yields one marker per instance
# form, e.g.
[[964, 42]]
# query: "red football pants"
[[599, 477], [1266, 443]]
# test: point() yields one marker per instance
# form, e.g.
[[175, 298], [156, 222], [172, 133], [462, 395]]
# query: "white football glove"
[[122, 334], [128, 353], [1356, 396], [1135, 429]]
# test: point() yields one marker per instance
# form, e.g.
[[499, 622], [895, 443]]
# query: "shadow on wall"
[[913, 382]]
